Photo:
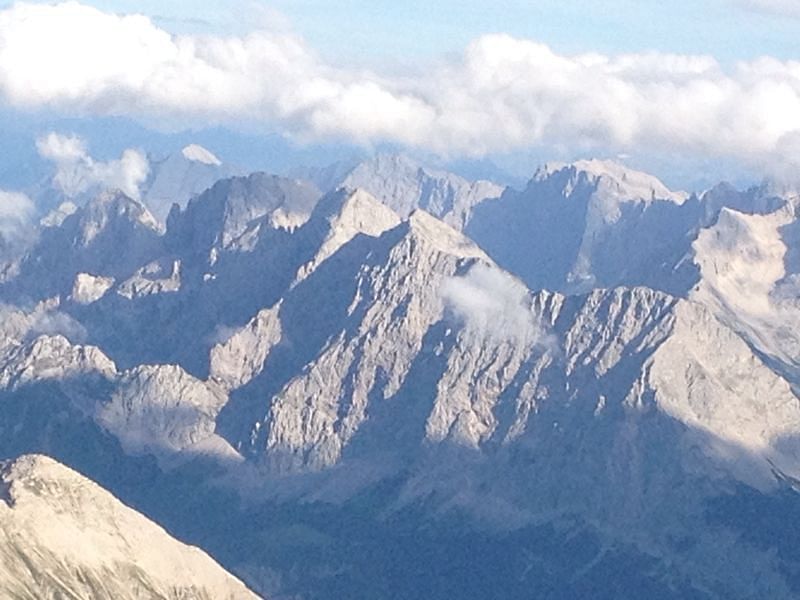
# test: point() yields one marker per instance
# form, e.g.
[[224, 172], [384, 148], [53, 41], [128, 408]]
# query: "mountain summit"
[[405, 185]]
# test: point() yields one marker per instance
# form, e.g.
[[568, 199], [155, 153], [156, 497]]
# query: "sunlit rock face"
[[63, 535], [277, 374]]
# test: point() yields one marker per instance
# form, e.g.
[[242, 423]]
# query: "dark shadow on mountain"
[[40, 418], [311, 314], [182, 327], [604, 483], [329, 552], [535, 234], [788, 288], [398, 422], [770, 522], [108, 237]]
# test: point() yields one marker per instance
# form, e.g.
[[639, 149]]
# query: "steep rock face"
[[236, 360], [632, 413], [158, 410], [89, 288], [589, 224], [404, 186], [327, 178], [598, 224], [424, 340], [342, 216], [18, 325], [338, 218], [749, 278], [110, 214], [170, 305], [52, 358], [222, 214], [177, 314], [61, 535], [111, 236], [761, 199], [161, 410], [388, 306], [390, 366], [627, 408], [157, 277], [724, 389], [340, 317]]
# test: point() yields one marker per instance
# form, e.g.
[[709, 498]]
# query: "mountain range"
[[393, 382]]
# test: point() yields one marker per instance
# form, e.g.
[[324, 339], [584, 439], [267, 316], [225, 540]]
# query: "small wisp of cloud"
[[494, 305], [17, 226], [77, 172], [43, 319], [16, 213]]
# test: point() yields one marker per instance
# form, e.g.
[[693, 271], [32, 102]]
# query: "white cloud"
[[494, 305], [15, 207], [503, 94], [77, 172], [16, 218], [43, 319], [786, 8]]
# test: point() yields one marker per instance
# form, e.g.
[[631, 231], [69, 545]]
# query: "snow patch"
[[197, 153]]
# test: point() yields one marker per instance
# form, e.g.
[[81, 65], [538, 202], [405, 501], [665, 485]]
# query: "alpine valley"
[[381, 380]]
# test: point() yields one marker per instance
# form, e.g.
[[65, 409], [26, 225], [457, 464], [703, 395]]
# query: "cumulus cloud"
[[503, 94], [494, 305], [77, 172]]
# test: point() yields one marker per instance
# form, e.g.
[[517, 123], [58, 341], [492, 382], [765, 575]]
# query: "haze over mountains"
[[393, 382]]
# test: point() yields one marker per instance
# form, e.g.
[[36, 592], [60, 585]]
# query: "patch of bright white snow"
[[200, 154]]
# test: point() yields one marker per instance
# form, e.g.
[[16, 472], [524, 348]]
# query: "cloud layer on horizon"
[[503, 94]]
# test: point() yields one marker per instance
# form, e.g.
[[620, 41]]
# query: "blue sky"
[[393, 29], [375, 31]]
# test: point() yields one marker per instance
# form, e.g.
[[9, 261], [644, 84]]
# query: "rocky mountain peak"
[[404, 185], [611, 178], [47, 510]]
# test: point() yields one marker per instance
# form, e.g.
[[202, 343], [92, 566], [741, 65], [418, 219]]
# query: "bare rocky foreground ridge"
[[62, 536], [413, 385]]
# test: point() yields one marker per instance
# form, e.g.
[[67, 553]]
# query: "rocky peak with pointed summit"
[[405, 185]]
